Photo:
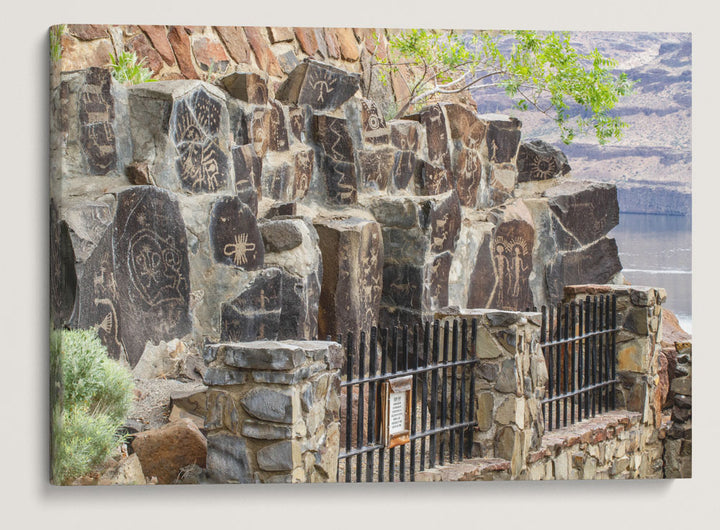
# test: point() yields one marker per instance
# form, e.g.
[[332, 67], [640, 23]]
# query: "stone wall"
[[272, 411], [234, 211], [678, 444]]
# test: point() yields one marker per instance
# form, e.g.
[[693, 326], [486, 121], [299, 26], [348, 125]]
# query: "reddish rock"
[[348, 44], [210, 53], [332, 43], [143, 49], [180, 42], [265, 57], [236, 42], [367, 37], [88, 31], [159, 39], [664, 380], [307, 40], [165, 451], [278, 34]]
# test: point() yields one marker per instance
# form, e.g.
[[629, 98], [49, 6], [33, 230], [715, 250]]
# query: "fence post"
[[509, 384], [639, 319], [273, 411]]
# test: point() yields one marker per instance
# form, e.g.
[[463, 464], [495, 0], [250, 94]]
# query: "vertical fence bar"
[[543, 339], [558, 365], [463, 357], [566, 359], [413, 407], [453, 388], [607, 328], [550, 368], [361, 408], [613, 323], [404, 364], [444, 402], [383, 371], [348, 405], [588, 358], [596, 400], [391, 467], [424, 400], [601, 351], [473, 350], [372, 412], [434, 390], [573, 370], [581, 360]]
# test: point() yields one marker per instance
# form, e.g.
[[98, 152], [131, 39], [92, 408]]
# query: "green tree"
[[540, 71]]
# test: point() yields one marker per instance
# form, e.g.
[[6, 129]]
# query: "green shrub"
[[128, 69], [95, 398]]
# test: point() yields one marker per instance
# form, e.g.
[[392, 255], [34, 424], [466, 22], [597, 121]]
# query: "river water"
[[656, 250]]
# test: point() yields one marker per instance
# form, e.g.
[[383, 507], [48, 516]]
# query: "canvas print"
[[301, 255]]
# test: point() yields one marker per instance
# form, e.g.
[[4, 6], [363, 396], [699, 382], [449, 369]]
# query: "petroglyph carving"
[[155, 268], [322, 82], [96, 113], [201, 165], [512, 262], [239, 249]]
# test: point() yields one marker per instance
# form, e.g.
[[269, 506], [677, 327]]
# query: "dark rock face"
[[512, 258], [376, 168], [321, 86], [352, 255], [481, 281], [588, 210], [445, 221], [597, 263], [468, 174], [254, 314], [466, 128], [337, 159], [433, 119], [333, 135], [63, 279], [277, 130], [246, 86], [97, 305], [195, 125], [248, 169], [151, 268], [538, 160], [374, 128], [228, 459], [404, 169], [304, 164], [234, 235], [96, 109], [503, 139], [340, 181]]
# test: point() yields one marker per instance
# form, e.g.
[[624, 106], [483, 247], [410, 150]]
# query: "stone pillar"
[[678, 442], [273, 411], [639, 317], [510, 381]]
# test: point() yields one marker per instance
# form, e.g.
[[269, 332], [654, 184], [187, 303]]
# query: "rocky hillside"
[[652, 164]]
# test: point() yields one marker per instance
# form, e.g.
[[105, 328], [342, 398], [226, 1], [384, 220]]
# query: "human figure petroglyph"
[[519, 268], [501, 270], [323, 83], [239, 249]]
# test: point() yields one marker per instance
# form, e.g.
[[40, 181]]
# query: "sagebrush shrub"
[[96, 394]]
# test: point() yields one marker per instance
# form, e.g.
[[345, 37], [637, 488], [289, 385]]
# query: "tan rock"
[[180, 42], [236, 43], [265, 57], [127, 471], [348, 44], [165, 451]]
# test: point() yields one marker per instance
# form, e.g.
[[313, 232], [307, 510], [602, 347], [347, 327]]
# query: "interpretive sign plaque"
[[395, 421]]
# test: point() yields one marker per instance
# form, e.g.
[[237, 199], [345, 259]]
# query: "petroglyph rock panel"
[[151, 268], [63, 279], [97, 113], [202, 165], [248, 172], [502, 137], [234, 235], [538, 160], [255, 313], [352, 254], [321, 86], [246, 86]]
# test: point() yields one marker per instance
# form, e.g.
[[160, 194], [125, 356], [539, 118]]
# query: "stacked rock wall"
[[283, 205]]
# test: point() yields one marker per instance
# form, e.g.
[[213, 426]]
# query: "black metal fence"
[[578, 342], [442, 417]]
